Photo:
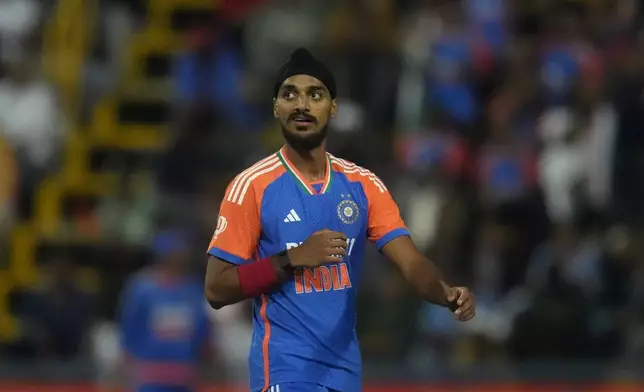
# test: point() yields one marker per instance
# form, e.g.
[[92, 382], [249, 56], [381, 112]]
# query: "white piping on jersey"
[[242, 178], [353, 168], [253, 177]]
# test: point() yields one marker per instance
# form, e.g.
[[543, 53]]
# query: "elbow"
[[219, 288], [214, 297], [216, 304]]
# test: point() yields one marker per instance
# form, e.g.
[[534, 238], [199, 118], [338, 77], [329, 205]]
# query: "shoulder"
[[356, 173], [255, 179]]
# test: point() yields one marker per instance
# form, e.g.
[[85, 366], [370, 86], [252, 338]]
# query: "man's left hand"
[[462, 303]]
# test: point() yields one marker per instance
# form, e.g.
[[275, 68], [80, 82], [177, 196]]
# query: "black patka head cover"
[[302, 62]]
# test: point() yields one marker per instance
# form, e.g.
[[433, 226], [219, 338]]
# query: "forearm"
[[225, 289], [426, 278], [231, 284]]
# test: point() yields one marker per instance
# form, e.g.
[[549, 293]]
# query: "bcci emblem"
[[222, 224], [348, 211]]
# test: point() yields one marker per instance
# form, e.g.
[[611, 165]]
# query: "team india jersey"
[[304, 331]]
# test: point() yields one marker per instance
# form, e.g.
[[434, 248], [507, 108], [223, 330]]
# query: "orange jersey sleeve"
[[238, 228], [384, 220]]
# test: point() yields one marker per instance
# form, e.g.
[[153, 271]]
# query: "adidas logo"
[[292, 217]]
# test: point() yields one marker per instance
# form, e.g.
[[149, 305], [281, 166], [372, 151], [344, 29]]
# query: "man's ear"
[[334, 107], [275, 114]]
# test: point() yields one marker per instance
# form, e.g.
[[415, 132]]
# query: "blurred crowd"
[[30, 118], [509, 131]]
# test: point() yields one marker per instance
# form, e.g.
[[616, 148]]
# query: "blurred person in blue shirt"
[[165, 330], [209, 77], [567, 58], [449, 80], [505, 168], [54, 315], [487, 20]]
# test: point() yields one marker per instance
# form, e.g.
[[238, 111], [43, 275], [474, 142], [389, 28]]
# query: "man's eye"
[[316, 95], [289, 95]]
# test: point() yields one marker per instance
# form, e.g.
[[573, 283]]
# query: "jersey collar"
[[290, 167]]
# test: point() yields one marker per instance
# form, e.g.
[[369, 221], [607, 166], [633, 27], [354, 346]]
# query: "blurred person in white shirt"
[[233, 332], [577, 159], [19, 19], [31, 120]]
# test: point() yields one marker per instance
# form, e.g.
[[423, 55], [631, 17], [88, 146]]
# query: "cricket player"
[[291, 234]]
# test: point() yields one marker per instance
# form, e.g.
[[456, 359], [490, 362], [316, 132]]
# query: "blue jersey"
[[165, 330], [304, 331]]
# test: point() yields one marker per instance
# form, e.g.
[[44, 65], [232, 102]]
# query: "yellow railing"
[[67, 36], [66, 39]]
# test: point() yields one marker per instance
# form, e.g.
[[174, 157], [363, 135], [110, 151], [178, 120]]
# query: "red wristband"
[[257, 278]]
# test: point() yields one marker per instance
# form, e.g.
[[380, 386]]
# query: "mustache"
[[302, 115]]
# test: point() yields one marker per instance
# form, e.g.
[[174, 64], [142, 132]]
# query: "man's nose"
[[302, 104]]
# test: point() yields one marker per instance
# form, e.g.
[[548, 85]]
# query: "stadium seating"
[[130, 122]]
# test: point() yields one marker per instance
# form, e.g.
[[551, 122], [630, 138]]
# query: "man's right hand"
[[322, 247]]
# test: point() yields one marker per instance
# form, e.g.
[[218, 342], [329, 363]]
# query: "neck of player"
[[310, 163]]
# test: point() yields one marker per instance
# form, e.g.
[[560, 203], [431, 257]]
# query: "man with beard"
[[291, 234]]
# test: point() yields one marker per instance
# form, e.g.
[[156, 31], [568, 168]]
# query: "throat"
[[312, 165]]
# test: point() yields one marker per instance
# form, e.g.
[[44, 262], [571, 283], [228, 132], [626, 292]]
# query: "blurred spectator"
[[362, 43], [555, 325], [506, 166], [561, 164], [571, 263], [8, 182], [599, 134], [488, 22], [32, 123], [55, 316], [390, 312], [576, 162], [421, 28], [450, 72], [437, 158], [577, 260], [268, 43], [164, 326], [128, 216], [629, 144], [119, 19], [117, 22], [233, 335], [19, 20], [192, 147], [567, 56], [210, 83]]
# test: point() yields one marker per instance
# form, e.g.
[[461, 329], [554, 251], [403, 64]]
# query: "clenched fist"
[[462, 303], [322, 247]]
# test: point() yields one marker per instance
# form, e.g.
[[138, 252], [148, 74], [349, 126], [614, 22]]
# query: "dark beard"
[[305, 143]]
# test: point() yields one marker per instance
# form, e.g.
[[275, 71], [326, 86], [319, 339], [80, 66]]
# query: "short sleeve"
[[237, 233], [384, 220]]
